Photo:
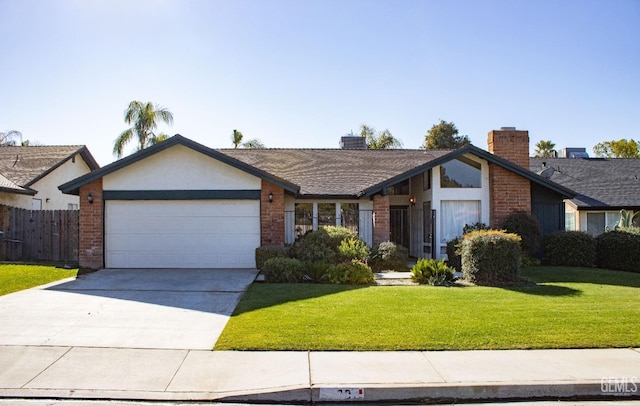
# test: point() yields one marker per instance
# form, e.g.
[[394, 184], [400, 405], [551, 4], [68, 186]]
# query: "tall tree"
[[618, 149], [378, 140], [545, 149], [9, 138], [444, 136], [236, 138], [143, 119]]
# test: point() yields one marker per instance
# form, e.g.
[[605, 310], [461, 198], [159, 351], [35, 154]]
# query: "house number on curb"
[[341, 393]]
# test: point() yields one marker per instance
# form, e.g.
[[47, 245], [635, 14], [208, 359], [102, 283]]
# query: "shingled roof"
[[601, 183], [334, 172], [21, 167]]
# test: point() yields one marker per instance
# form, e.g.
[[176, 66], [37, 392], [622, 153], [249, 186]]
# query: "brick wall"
[[91, 246], [381, 223], [509, 192], [271, 215]]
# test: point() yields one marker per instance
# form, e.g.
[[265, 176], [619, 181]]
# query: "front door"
[[399, 218]]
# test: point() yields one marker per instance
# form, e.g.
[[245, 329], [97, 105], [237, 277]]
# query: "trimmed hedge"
[[283, 270], [570, 248], [619, 249], [322, 245], [491, 257], [352, 273], [268, 252]]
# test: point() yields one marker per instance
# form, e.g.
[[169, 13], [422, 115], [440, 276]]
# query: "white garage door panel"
[[182, 234]]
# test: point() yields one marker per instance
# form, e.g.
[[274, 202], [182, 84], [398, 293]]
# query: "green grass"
[[19, 277], [569, 308]]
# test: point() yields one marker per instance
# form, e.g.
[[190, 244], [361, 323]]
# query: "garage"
[[181, 233]]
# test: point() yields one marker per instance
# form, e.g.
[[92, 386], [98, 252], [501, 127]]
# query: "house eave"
[[83, 152]]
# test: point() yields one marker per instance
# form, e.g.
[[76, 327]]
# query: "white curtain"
[[455, 214]]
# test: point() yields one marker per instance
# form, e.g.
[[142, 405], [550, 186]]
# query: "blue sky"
[[303, 73]]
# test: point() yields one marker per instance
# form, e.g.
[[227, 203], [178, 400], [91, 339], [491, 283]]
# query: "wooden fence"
[[39, 235]]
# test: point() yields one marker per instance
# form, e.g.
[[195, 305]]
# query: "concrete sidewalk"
[[303, 377]]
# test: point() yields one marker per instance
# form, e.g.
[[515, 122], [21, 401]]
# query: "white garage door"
[[182, 234]]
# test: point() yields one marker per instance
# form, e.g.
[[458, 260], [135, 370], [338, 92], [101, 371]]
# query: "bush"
[[354, 248], [353, 273], [316, 272], [321, 245], [491, 257], [570, 248], [387, 256], [283, 270], [453, 254], [619, 249], [267, 252], [432, 272], [528, 228]]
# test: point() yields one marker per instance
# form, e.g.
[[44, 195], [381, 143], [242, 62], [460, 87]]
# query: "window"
[[326, 214], [460, 173], [350, 216], [599, 222], [455, 214], [303, 218], [426, 180], [72, 206], [401, 188], [570, 221]]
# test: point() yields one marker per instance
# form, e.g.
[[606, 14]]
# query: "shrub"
[[389, 256], [474, 227], [570, 248], [453, 254], [267, 252], [432, 272], [491, 257], [283, 270], [353, 273], [619, 249], [354, 248], [321, 245], [528, 228], [316, 272]]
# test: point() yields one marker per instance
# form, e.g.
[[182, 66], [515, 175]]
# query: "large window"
[[350, 216], [304, 218], [570, 221], [599, 222], [401, 188], [460, 173], [326, 214], [455, 214]]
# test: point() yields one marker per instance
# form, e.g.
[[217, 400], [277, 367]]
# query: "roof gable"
[[73, 186], [24, 166]]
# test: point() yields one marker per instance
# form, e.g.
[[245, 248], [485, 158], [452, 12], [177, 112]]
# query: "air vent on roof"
[[351, 142]]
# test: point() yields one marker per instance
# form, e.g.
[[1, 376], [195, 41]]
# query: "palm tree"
[[143, 118], [382, 140], [545, 149], [236, 138]]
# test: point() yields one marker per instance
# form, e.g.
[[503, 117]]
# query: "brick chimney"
[[509, 192]]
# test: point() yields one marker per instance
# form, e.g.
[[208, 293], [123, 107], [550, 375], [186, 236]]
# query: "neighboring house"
[[181, 204], [30, 176], [604, 186]]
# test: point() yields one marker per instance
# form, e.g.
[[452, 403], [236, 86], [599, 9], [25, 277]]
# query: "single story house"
[[181, 204], [604, 186], [30, 176]]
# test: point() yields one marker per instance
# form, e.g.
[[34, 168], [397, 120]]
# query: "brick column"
[[381, 223], [509, 192], [91, 244], [271, 215]]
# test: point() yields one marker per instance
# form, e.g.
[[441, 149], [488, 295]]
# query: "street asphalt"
[[91, 339]]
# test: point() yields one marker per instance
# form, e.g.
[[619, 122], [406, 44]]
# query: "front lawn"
[[19, 277], [569, 308]]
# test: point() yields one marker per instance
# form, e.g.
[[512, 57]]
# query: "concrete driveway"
[[133, 308]]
